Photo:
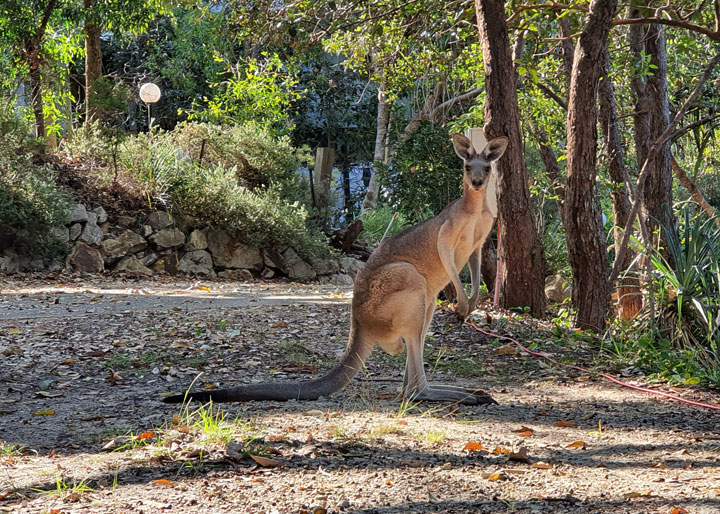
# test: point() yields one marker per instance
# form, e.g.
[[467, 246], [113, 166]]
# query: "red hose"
[[604, 375]]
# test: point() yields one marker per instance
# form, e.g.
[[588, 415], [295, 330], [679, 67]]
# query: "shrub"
[[688, 293], [377, 221], [425, 174], [31, 205]]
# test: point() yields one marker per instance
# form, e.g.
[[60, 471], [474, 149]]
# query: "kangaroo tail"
[[357, 351]]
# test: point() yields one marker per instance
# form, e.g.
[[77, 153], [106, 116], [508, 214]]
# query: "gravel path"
[[83, 363]]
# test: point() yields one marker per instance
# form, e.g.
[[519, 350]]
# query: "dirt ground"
[[84, 362]]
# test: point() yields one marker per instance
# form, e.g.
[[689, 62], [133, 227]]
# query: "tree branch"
[[694, 191], [553, 95], [695, 124]]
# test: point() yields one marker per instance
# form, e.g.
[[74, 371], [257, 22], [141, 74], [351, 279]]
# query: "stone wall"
[[158, 243]]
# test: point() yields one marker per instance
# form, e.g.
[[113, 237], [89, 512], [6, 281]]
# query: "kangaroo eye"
[[467, 167]]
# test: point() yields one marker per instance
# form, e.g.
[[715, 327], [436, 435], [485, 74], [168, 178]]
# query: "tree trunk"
[[93, 61], [629, 291], [383, 117], [583, 220], [522, 281], [35, 79]]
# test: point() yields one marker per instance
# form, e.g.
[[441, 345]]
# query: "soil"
[[85, 360]]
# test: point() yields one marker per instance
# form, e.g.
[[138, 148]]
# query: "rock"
[[196, 241], [337, 279], [85, 258], [228, 251], [197, 262], [168, 238], [126, 221], [267, 273], [62, 233], [159, 220], [91, 234], [326, 267], [126, 243], [167, 264], [239, 275], [147, 258], [146, 231], [296, 267], [79, 214], [75, 231], [132, 264], [557, 289], [351, 266], [101, 214]]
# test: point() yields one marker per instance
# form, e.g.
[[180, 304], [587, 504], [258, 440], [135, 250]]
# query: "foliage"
[[262, 202], [689, 291], [425, 174], [382, 218], [257, 92], [31, 205]]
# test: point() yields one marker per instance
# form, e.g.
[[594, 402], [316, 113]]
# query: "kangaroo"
[[395, 294]]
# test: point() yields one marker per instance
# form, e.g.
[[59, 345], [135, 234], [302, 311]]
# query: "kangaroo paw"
[[443, 393]]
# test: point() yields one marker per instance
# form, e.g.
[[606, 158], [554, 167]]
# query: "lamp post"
[[150, 94]]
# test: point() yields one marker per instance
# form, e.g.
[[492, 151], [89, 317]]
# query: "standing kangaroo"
[[396, 292]]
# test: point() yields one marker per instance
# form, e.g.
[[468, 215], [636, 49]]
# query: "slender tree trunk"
[[383, 117], [35, 80], [629, 291], [583, 220], [93, 61], [522, 281]]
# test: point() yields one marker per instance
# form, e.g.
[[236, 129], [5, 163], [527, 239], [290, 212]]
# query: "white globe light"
[[149, 93]]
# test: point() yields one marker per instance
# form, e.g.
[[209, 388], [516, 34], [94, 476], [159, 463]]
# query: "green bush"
[[377, 221], [261, 199], [425, 175], [31, 204], [688, 293]]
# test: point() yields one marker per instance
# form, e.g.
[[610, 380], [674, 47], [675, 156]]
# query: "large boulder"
[[239, 275], [126, 243], [132, 264], [75, 231], [229, 251], [197, 262], [91, 234], [85, 258], [167, 264], [101, 214], [159, 220], [168, 238]]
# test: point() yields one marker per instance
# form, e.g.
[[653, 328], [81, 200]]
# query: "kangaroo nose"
[[477, 182]]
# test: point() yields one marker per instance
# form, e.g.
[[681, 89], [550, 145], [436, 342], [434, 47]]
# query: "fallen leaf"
[[279, 324], [522, 430], [163, 481], [501, 451], [520, 455], [541, 465], [204, 288], [660, 465], [496, 476], [266, 462], [577, 444], [209, 386], [679, 510], [46, 412], [506, 349], [402, 422], [146, 435], [636, 494], [565, 424], [473, 447], [46, 394]]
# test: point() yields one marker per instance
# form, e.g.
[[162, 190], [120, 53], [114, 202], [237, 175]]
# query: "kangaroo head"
[[478, 166]]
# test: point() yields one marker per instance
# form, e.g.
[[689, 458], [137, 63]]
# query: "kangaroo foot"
[[446, 393]]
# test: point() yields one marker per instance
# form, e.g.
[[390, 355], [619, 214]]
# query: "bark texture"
[[652, 117], [582, 219], [522, 280]]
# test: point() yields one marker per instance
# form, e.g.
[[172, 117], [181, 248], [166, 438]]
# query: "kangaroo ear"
[[495, 148], [463, 146]]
